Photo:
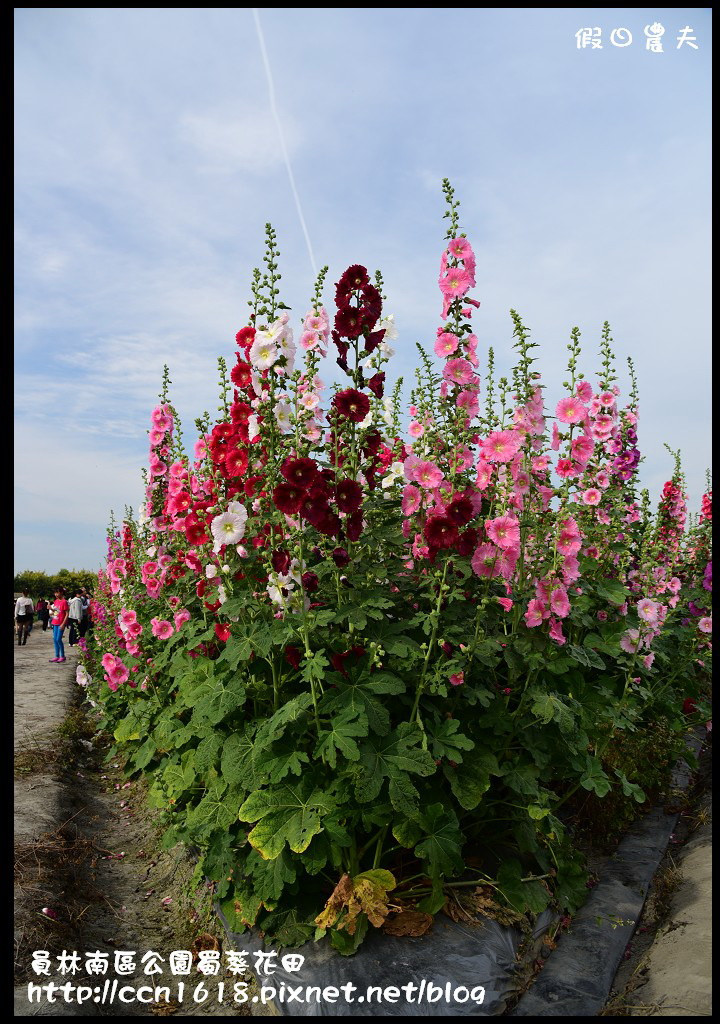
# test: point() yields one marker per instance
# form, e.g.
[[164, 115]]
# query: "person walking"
[[85, 620], [75, 612], [43, 612], [58, 624], [23, 617]]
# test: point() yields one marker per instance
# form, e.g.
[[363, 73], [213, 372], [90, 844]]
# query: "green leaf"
[[594, 778], [274, 727], [270, 876], [442, 845], [470, 783], [340, 738], [290, 814], [522, 896], [447, 741], [630, 788], [144, 755], [179, 776], [207, 753], [217, 810], [390, 757], [236, 763]]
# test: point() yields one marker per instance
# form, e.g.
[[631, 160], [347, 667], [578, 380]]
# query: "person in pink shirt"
[[59, 622]]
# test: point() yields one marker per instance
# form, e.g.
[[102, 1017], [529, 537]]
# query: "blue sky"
[[148, 161]]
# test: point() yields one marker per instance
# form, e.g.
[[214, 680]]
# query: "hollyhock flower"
[[570, 410], [340, 557], [245, 337], [501, 446], [161, 628], [567, 469], [569, 542], [348, 495], [648, 611], [705, 624], [602, 427], [559, 602], [592, 496], [582, 448], [228, 527], [108, 661], [535, 613], [648, 660], [440, 532], [222, 632], [504, 531], [457, 678], [263, 353], [446, 344], [236, 462], [127, 617], [602, 616], [241, 374], [253, 425], [352, 404], [458, 371], [607, 398], [454, 285], [283, 414], [461, 510], [468, 400], [134, 629], [416, 430], [556, 632], [410, 500], [161, 418], [426, 474], [630, 641], [484, 474], [505, 602], [583, 390], [486, 560], [181, 617], [153, 588]]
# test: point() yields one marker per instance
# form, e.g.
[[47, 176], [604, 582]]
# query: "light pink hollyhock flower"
[[504, 531], [181, 617], [602, 516], [200, 448], [471, 344], [648, 611], [426, 474], [705, 624], [607, 398], [416, 429], [457, 679], [570, 569], [674, 600], [556, 632], [446, 344], [535, 613], [484, 475], [501, 445], [410, 500], [630, 641], [462, 458], [228, 527], [486, 560], [602, 480], [505, 602], [592, 496], [468, 400], [458, 371], [583, 390], [161, 628], [570, 410], [309, 340], [540, 463], [560, 603], [648, 660], [569, 541], [674, 585], [508, 562], [602, 427]]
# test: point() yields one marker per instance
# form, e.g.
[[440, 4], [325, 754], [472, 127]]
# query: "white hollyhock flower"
[[388, 325], [253, 427], [282, 416], [228, 528], [263, 352]]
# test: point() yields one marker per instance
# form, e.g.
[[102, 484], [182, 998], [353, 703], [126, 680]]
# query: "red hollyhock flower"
[[371, 444], [241, 374], [240, 412], [354, 278], [354, 526], [349, 322], [195, 532], [245, 337], [377, 384], [288, 498], [236, 462], [301, 472], [689, 706], [293, 655], [330, 524], [222, 632], [348, 495], [313, 507], [281, 561], [373, 340], [467, 541], [340, 557], [310, 582], [371, 303], [352, 404], [460, 510], [221, 432], [440, 532]]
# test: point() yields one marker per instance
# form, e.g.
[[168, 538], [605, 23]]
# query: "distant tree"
[[42, 584]]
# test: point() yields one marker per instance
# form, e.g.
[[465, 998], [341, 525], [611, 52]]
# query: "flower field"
[[362, 665]]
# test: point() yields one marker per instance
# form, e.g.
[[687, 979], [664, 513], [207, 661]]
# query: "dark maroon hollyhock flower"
[[342, 346], [354, 278], [338, 663], [377, 384], [293, 656], [348, 495], [340, 557], [371, 304], [299, 471], [371, 443], [330, 524], [354, 526], [467, 541], [241, 374], [313, 508], [349, 322], [310, 582], [460, 510], [371, 478], [281, 561], [447, 648], [288, 498], [373, 340], [352, 404], [440, 532]]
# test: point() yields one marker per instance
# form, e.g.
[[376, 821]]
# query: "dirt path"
[[87, 850]]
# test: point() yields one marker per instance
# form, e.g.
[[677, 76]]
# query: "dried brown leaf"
[[409, 922]]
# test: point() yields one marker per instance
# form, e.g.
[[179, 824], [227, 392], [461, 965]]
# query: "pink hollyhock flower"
[[560, 603], [648, 660], [153, 588], [569, 542], [630, 641], [107, 661], [592, 496], [458, 371], [570, 569], [484, 475], [127, 616], [648, 611], [567, 469], [607, 398], [181, 617], [535, 613], [501, 446], [460, 248], [705, 624], [582, 448], [602, 616], [505, 602], [583, 390], [674, 585], [416, 429], [427, 474], [454, 285], [556, 632], [602, 480], [570, 410], [602, 427], [555, 442], [446, 344], [540, 463], [410, 500], [504, 531], [134, 629], [457, 679], [161, 418], [468, 400], [161, 628], [485, 561], [508, 562]]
